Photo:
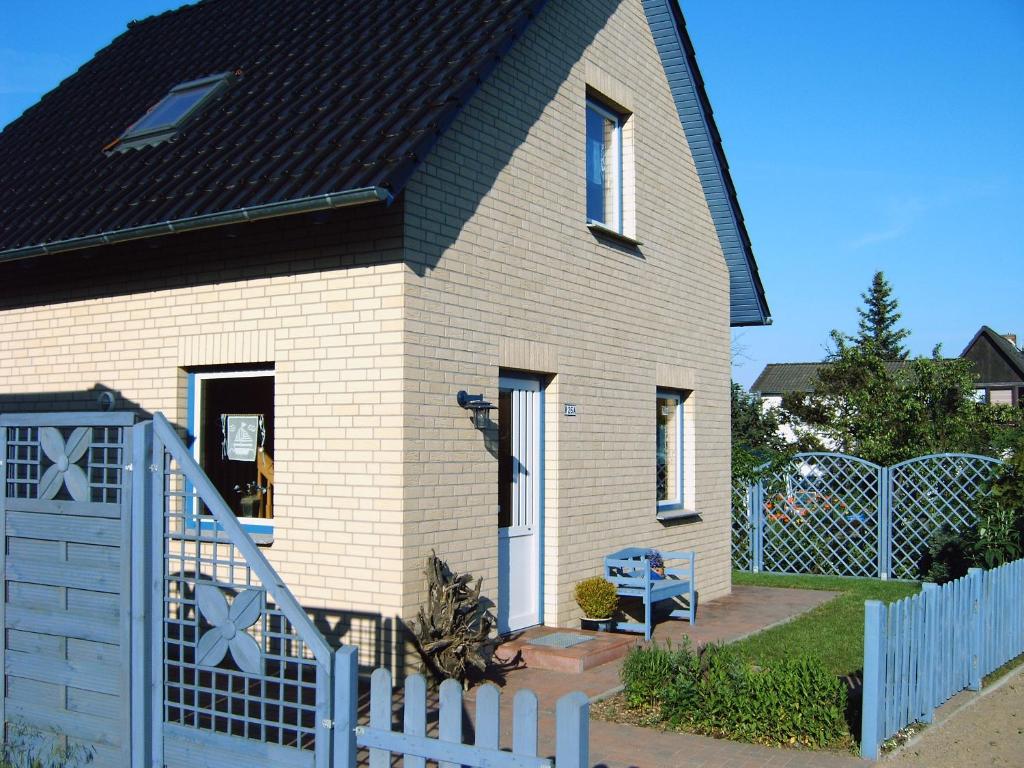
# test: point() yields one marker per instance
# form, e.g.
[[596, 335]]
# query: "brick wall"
[[322, 302], [505, 273], [375, 463]]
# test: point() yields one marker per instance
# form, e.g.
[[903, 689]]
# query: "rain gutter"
[[324, 202]]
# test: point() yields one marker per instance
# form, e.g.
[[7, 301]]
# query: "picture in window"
[[669, 434]]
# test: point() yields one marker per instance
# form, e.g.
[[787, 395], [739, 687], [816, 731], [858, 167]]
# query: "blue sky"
[[861, 136]]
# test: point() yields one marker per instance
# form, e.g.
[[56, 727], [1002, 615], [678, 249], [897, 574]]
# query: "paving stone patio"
[[614, 745]]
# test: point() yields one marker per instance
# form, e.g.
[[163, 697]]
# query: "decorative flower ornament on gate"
[[229, 625], [65, 456]]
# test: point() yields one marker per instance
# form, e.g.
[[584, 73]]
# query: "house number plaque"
[[570, 409]]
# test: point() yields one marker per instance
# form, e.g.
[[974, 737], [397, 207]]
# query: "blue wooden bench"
[[630, 571]]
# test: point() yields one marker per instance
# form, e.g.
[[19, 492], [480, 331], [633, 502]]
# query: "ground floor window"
[[231, 419], [669, 449]]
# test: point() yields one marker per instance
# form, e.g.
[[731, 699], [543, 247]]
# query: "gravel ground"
[[989, 733]]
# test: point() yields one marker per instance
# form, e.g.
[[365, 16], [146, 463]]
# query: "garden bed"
[[784, 686]]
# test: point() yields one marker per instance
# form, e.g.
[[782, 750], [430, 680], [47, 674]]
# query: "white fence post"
[[976, 578], [346, 699], [873, 690], [572, 742], [930, 595]]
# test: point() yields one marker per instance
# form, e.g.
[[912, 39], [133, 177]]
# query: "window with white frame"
[[669, 450], [231, 418], [604, 166]]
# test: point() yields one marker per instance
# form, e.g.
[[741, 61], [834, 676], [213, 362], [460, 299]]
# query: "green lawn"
[[833, 632]]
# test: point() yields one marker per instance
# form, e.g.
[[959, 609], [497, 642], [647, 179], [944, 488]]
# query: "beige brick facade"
[[374, 319], [513, 278]]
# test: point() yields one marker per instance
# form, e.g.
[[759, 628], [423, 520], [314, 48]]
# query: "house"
[[301, 230], [780, 379], [999, 363]]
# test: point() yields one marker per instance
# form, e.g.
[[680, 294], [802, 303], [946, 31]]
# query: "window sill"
[[601, 230], [676, 512], [261, 533]]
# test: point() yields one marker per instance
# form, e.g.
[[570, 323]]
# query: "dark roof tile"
[[378, 81]]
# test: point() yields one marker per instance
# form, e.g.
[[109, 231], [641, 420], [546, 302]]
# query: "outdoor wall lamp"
[[477, 405]]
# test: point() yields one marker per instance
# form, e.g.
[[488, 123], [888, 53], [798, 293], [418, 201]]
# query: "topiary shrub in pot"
[[597, 599]]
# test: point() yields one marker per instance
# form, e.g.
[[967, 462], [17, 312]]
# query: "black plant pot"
[[597, 625]]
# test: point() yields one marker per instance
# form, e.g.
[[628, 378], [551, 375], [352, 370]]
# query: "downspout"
[[324, 202]]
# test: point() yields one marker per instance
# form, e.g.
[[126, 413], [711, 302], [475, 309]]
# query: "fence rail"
[[922, 650], [834, 514]]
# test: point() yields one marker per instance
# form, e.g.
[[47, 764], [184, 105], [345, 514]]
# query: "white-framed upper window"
[[669, 450], [604, 166]]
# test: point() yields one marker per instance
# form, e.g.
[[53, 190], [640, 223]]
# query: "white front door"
[[520, 500]]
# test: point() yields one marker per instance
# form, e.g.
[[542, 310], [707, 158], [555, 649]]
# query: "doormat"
[[560, 640]]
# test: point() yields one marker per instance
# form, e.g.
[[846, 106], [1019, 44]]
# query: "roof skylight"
[[171, 112]]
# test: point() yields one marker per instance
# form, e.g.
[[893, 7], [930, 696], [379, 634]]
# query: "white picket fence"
[[922, 650]]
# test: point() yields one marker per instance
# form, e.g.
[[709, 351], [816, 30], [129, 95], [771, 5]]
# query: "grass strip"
[[832, 633]]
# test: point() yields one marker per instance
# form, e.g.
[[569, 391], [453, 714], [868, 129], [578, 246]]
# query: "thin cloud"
[[902, 215]]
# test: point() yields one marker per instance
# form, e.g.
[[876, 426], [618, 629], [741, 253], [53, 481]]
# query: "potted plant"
[[250, 494], [657, 563], [597, 599]]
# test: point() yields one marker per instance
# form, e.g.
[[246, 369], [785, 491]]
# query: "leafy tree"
[[877, 326], [752, 426], [887, 413], [755, 436]]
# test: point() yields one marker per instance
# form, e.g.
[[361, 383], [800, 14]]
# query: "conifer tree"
[[877, 329]]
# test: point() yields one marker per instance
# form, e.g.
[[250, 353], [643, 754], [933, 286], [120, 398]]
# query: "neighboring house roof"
[[333, 104], [748, 304], [1004, 348], [782, 378]]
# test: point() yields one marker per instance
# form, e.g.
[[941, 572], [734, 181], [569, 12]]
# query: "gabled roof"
[[1011, 355], [748, 304], [332, 102], [331, 96], [782, 378]]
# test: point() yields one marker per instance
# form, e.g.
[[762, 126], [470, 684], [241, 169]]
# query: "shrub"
[[714, 691], [996, 538], [596, 597], [949, 554], [27, 747]]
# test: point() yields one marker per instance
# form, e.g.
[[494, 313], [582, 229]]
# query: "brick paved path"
[[615, 745]]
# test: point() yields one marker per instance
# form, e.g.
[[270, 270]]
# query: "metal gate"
[[830, 513]]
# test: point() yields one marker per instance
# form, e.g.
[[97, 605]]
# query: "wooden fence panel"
[[65, 531], [924, 649]]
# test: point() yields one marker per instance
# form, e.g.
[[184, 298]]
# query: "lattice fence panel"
[[233, 662], [927, 493], [820, 515], [742, 557]]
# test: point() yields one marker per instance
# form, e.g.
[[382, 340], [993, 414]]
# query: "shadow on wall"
[[318, 242], [98, 399], [483, 139], [382, 641]]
